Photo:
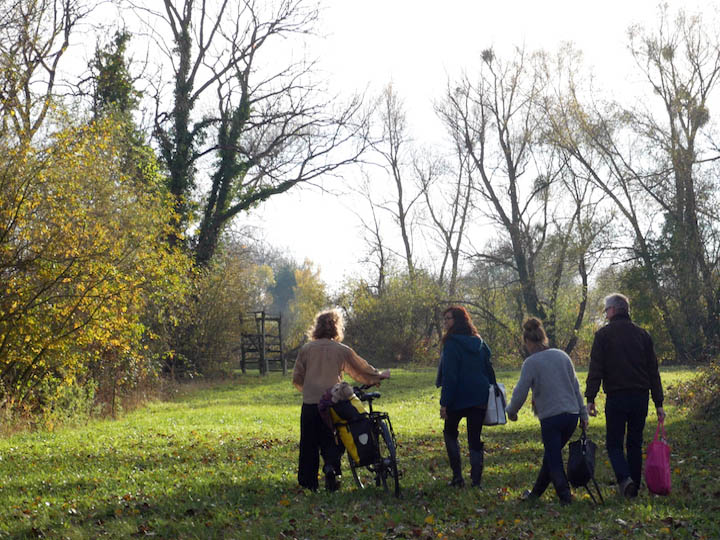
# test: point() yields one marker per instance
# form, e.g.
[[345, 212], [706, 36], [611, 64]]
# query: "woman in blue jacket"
[[465, 374]]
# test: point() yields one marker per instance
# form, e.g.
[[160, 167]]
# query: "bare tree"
[[681, 61], [379, 254], [394, 149], [497, 123], [448, 198], [34, 37], [583, 241], [522, 183], [649, 161], [268, 127]]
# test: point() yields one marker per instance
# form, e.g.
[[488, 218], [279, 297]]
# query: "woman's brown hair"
[[328, 325], [534, 332], [462, 323]]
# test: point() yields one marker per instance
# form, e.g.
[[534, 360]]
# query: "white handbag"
[[495, 414]]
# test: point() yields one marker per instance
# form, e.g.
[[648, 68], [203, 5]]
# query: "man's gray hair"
[[618, 301]]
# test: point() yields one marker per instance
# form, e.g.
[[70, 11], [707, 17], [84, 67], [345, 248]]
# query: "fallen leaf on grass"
[[674, 523]]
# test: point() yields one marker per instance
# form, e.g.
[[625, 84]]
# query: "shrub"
[[82, 255], [396, 326], [700, 393], [207, 335]]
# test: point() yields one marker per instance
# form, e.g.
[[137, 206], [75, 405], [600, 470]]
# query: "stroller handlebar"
[[365, 396]]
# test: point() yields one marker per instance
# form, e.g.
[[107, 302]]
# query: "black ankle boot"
[[453, 452], [477, 462], [332, 483]]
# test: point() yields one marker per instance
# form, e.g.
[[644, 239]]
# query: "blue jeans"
[[626, 410], [556, 432]]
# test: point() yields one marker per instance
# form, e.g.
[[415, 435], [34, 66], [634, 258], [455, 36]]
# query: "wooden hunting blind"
[[262, 347]]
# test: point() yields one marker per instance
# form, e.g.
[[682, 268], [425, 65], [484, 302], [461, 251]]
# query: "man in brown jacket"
[[319, 365], [623, 359]]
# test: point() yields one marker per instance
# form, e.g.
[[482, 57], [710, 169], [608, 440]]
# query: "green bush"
[[700, 393], [206, 339], [397, 326]]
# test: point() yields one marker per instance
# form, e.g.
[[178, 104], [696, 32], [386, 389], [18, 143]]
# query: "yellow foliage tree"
[[309, 297], [82, 254]]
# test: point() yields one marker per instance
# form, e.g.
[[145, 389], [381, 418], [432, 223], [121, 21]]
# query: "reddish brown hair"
[[462, 323]]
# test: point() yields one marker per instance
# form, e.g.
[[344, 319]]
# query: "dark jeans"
[[556, 432], [626, 410], [475, 416], [316, 438]]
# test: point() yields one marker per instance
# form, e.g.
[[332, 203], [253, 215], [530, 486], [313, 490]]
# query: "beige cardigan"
[[320, 364]]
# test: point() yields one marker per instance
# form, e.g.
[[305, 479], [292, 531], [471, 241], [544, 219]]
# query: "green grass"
[[220, 462]]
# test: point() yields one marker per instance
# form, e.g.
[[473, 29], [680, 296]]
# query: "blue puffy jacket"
[[465, 372]]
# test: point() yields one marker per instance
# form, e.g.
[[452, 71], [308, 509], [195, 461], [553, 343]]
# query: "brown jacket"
[[320, 364]]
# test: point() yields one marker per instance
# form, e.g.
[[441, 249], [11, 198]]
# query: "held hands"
[[591, 409], [513, 417]]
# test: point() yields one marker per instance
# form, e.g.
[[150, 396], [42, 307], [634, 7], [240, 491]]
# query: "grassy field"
[[220, 461]]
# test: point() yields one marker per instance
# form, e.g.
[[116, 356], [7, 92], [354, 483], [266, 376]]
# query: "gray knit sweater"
[[551, 375]]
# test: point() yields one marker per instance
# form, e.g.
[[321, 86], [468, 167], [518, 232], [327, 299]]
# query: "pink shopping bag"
[[657, 463]]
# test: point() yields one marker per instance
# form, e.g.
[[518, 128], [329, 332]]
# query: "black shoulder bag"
[[581, 465]]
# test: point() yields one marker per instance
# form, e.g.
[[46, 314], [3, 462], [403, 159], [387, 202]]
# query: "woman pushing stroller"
[[320, 364]]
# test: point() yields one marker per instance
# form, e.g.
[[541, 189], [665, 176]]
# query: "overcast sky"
[[417, 45]]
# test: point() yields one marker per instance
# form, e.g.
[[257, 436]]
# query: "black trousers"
[[315, 439], [625, 414], [475, 416]]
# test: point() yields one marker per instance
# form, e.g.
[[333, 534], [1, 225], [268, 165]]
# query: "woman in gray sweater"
[[557, 403]]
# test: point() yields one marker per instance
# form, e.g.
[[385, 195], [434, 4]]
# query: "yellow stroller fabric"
[[355, 429]]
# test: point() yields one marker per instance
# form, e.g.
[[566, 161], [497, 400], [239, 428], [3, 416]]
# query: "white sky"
[[417, 44]]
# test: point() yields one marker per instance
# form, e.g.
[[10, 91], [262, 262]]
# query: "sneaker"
[[627, 488], [528, 495]]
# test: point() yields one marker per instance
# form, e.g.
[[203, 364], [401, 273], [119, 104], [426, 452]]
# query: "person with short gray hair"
[[623, 360], [617, 301]]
